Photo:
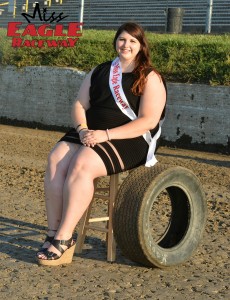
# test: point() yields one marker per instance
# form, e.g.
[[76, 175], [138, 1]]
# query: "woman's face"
[[127, 46]]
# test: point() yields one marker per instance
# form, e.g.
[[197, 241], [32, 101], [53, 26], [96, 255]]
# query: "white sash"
[[115, 83]]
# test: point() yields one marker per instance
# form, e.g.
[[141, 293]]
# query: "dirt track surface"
[[205, 275]]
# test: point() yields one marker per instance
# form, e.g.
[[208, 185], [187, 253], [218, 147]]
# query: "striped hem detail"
[[117, 155], [105, 157], [105, 151]]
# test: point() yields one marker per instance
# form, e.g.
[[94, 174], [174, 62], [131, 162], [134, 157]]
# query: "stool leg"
[[111, 243]]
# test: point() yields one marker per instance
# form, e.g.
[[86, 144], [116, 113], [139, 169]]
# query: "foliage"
[[180, 58]]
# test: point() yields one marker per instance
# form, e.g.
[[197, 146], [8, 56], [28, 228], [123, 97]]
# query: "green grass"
[[180, 58]]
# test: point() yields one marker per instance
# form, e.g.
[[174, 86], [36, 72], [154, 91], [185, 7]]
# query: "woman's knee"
[[59, 158], [87, 167], [53, 157]]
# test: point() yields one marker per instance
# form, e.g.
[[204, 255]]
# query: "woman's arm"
[[152, 103], [79, 108], [82, 102]]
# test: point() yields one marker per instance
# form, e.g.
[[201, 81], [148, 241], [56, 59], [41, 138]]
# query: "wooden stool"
[[87, 223]]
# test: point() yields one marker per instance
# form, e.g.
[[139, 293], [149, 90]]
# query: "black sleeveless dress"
[[117, 155]]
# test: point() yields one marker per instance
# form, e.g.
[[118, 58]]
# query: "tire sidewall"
[[187, 181]]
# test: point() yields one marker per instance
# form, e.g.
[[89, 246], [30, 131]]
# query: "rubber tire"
[[133, 203]]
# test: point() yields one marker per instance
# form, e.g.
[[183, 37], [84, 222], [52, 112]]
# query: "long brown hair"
[[142, 60]]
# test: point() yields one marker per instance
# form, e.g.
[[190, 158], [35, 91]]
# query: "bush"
[[180, 58]]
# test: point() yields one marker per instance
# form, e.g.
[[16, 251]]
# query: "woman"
[[117, 121]]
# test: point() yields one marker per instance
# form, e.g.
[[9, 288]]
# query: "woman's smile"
[[127, 46]]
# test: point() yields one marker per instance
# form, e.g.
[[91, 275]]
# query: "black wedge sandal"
[[48, 239], [53, 259]]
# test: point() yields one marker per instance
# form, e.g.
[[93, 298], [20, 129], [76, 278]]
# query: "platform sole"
[[66, 258]]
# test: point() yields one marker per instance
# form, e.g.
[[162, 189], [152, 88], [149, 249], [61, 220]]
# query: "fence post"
[[208, 24], [81, 13]]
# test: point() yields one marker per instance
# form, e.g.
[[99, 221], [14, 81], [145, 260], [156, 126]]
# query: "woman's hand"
[[93, 137], [82, 134]]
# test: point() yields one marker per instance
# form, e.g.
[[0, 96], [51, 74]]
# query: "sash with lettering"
[[115, 83]]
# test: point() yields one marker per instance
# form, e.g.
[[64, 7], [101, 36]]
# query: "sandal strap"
[[57, 244], [49, 239], [51, 255]]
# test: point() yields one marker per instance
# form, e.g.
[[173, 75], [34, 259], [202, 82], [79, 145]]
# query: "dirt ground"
[[205, 275]]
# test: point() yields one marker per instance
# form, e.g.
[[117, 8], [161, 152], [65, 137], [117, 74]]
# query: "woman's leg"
[[85, 166], [56, 171]]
